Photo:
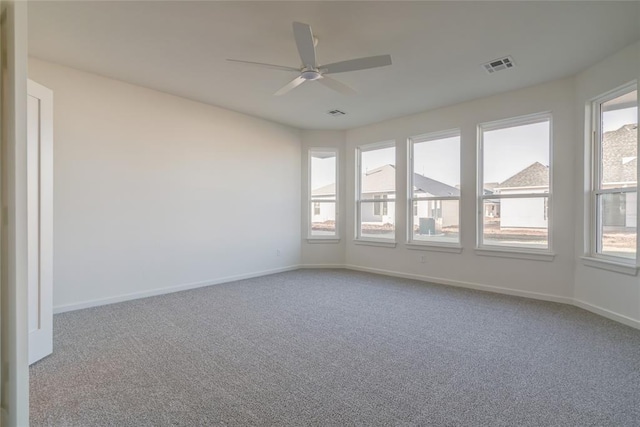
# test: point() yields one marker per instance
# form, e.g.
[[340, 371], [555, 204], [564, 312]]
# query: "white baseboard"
[[322, 266], [167, 290], [527, 294], [468, 285], [439, 280], [607, 313]]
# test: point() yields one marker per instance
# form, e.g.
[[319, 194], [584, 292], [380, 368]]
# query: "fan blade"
[[304, 40], [357, 64], [260, 64], [337, 86], [289, 86]]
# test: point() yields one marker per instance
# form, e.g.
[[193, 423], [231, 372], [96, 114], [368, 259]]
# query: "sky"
[[323, 171], [507, 152], [614, 120]]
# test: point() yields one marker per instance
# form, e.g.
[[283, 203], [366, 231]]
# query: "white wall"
[[606, 291], [154, 191], [317, 253], [526, 277], [566, 278]]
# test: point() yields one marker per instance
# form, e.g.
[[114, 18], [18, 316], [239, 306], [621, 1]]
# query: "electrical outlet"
[[423, 259], [277, 252]]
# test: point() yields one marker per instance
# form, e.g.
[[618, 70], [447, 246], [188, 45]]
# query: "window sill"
[[618, 267], [454, 249], [379, 243], [516, 253], [315, 240]]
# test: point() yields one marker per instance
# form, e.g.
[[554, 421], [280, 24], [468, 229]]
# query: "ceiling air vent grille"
[[336, 113], [499, 64]]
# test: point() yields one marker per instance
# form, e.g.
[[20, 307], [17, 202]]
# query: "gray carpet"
[[336, 347]]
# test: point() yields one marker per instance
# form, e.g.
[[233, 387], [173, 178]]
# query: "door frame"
[[14, 389]]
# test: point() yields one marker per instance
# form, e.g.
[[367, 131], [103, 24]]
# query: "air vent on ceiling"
[[499, 64], [336, 113]]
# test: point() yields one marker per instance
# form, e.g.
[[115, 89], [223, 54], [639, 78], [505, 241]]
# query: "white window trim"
[[592, 141], [610, 265], [440, 247], [411, 243], [358, 239], [310, 199], [521, 252]]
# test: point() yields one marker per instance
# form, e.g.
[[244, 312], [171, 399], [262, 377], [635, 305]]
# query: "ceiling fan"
[[312, 71]]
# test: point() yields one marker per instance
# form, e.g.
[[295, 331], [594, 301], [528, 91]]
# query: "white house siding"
[[524, 213], [327, 212], [448, 216], [368, 211], [632, 210]]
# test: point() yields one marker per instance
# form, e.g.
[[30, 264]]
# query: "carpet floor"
[[337, 347]]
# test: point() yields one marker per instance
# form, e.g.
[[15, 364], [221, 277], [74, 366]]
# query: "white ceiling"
[[437, 48]]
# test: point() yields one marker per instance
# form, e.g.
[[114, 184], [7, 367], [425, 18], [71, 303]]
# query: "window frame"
[[523, 252], [593, 235], [421, 244], [358, 238], [312, 200]]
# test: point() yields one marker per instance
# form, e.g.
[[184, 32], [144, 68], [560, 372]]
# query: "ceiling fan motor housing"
[[310, 75]]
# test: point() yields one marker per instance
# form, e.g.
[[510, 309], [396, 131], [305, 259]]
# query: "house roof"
[[535, 175], [380, 180], [619, 154], [327, 190], [432, 187], [383, 180]]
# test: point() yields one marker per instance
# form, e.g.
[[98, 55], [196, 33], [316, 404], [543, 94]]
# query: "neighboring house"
[[380, 184], [525, 212], [619, 165], [323, 212], [445, 213], [491, 206], [619, 157]]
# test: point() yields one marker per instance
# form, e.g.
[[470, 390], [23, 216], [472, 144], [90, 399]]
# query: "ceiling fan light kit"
[[312, 71]]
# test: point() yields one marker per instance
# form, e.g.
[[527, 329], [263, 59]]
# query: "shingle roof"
[[380, 180], [432, 187], [535, 175], [327, 190], [383, 180], [619, 154]]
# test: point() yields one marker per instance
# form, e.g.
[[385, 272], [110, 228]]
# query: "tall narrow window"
[[376, 192], [614, 193], [514, 183], [323, 200], [434, 189]]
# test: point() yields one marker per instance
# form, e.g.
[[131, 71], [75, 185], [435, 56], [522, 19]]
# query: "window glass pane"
[[377, 219], [323, 174], [436, 167], [436, 221], [617, 219], [619, 140], [378, 173], [323, 218], [520, 222], [516, 159]]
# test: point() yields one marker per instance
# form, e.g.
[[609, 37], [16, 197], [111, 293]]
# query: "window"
[[323, 201], [376, 192], [615, 164], [434, 189], [514, 183]]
